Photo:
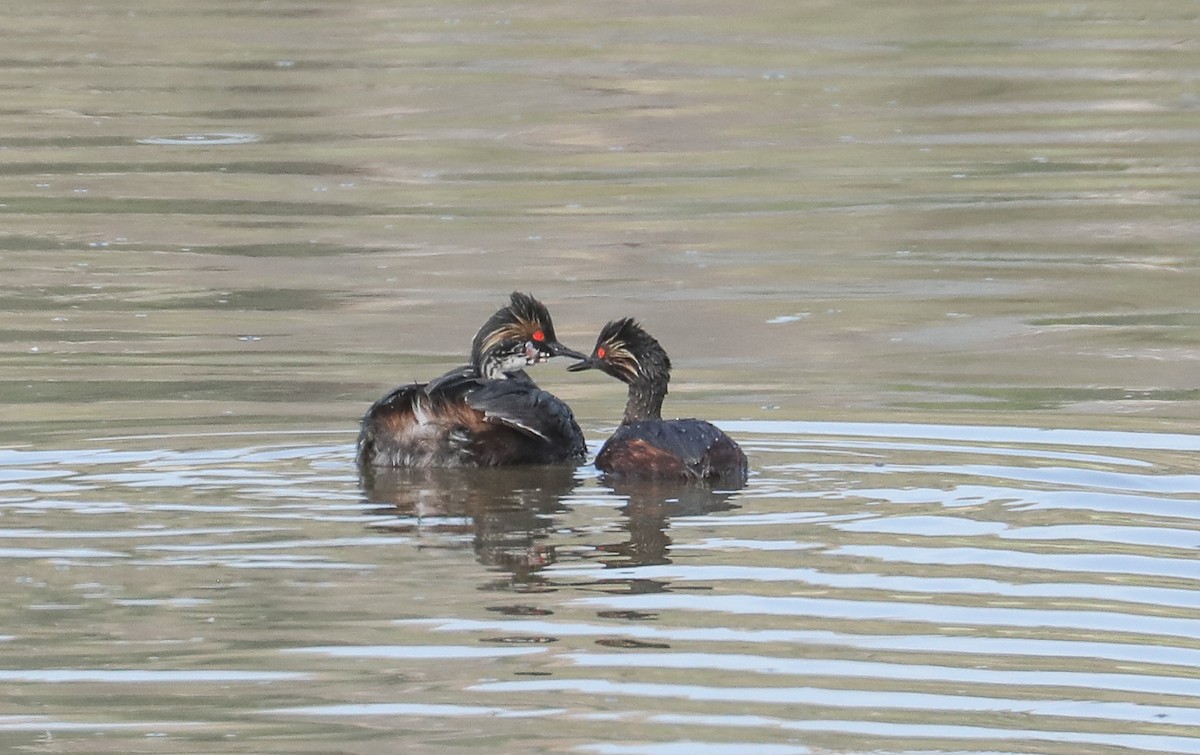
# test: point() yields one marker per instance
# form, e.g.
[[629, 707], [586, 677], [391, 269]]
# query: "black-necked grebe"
[[487, 413], [646, 445]]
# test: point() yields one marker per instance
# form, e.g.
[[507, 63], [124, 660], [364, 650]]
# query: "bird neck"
[[645, 400], [498, 366], [491, 369]]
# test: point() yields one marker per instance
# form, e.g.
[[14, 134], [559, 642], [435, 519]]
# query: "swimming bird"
[[486, 413], [646, 445]]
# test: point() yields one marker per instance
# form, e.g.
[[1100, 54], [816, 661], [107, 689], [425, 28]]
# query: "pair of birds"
[[490, 413]]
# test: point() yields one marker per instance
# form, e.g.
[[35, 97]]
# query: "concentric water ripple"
[[202, 140]]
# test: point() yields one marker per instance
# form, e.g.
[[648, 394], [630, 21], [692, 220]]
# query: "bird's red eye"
[[601, 352], [539, 336]]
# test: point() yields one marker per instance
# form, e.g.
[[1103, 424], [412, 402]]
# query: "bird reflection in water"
[[507, 512], [650, 506]]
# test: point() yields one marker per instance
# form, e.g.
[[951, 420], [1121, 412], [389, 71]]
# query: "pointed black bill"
[[556, 349], [587, 363]]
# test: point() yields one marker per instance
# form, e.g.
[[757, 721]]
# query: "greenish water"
[[934, 265]]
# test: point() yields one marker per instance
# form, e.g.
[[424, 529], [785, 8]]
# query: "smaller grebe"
[[488, 413], [646, 445]]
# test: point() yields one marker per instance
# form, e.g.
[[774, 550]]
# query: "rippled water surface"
[[934, 265], [876, 586]]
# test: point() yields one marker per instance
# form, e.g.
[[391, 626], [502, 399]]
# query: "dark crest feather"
[[512, 325], [632, 353]]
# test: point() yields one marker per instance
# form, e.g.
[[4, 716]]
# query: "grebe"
[[646, 445], [488, 413]]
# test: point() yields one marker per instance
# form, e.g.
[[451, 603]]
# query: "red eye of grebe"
[[538, 336], [601, 352]]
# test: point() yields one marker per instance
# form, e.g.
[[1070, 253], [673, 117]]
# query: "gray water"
[[933, 265]]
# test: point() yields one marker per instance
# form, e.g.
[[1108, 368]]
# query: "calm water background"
[[934, 264]]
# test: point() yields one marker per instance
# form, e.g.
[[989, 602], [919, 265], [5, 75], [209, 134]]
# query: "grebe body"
[[646, 445], [486, 413]]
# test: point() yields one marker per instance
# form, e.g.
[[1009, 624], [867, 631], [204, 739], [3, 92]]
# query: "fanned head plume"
[[516, 336], [628, 353]]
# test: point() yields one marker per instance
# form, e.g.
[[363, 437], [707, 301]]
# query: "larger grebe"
[[487, 413], [646, 445]]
